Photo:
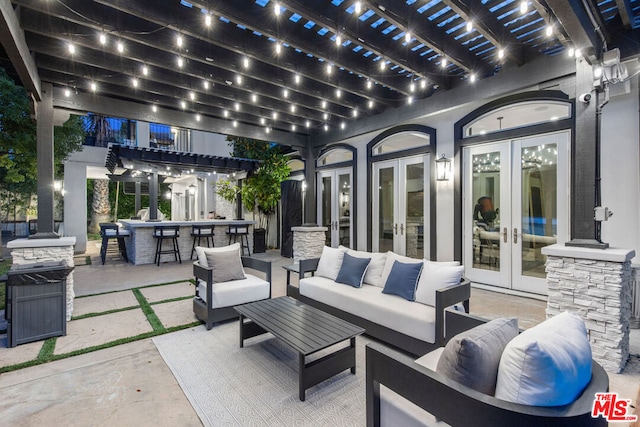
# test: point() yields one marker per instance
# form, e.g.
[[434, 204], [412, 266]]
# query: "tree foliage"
[[261, 191], [18, 145]]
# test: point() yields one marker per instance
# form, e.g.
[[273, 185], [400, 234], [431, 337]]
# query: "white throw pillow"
[[547, 365], [436, 275], [330, 262], [376, 265], [388, 264], [201, 252]]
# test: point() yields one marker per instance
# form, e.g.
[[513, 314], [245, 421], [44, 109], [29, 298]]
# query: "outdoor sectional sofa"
[[533, 386], [413, 326]]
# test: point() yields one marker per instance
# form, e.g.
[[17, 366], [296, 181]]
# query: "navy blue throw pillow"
[[403, 280], [352, 271]]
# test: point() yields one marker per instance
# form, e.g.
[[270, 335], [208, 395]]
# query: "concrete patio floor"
[[130, 384]]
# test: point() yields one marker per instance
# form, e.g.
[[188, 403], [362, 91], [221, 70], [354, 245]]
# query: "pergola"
[[302, 73]]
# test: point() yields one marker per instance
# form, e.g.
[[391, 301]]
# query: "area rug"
[[258, 385]]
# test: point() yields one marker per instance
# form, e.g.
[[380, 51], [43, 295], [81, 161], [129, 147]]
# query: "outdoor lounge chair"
[[401, 391], [214, 302]]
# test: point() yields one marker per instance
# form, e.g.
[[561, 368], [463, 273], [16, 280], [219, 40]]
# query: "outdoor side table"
[[36, 302]]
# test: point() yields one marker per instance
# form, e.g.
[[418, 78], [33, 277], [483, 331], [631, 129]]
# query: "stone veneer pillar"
[[308, 242], [596, 284], [28, 251]]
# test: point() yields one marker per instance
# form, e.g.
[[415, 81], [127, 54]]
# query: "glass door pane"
[[344, 209], [386, 204], [326, 208], [485, 223], [414, 210], [539, 208]]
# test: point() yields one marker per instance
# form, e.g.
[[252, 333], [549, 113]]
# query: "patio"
[[130, 383]]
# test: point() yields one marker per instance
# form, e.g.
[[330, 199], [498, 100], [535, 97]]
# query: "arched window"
[[296, 165], [335, 156], [401, 141], [516, 116]]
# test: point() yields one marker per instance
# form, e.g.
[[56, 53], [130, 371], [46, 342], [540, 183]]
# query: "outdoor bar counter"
[[141, 245]]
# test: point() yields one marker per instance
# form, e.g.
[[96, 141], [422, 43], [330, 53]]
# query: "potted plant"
[[260, 192]]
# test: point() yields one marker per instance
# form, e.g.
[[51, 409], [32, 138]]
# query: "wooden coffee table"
[[305, 329]]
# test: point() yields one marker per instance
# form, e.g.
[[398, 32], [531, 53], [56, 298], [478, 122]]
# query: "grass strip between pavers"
[[46, 353], [48, 356], [156, 324]]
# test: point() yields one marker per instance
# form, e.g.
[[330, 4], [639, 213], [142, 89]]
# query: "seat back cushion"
[[330, 262], [435, 276], [472, 357], [547, 365], [402, 280], [202, 251], [352, 270], [373, 275]]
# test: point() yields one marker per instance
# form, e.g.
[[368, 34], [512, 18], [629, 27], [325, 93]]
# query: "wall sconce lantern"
[[443, 169], [192, 189]]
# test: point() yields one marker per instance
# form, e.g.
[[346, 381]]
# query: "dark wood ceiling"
[[228, 66]]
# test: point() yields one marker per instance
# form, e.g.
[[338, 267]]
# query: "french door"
[[401, 206], [335, 206], [515, 202]]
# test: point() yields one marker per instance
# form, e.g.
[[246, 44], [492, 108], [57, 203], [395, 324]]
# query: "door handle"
[[515, 235], [395, 228], [401, 229], [505, 234], [335, 225]]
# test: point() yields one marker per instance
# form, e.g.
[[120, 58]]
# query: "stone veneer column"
[[28, 251], [595, 284], [308, 242]]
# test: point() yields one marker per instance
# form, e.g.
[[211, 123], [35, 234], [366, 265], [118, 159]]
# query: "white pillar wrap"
[[595, 284], [28, 251]]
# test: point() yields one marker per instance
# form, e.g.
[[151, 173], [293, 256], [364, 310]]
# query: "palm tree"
[[100, 207]]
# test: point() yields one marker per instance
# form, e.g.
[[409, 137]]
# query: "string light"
[[276, 8], [192, 95], [325, 116], [370, 103], [278, 48], [254, 98], [235, 123], [72, 48], [383, 64], [237, 106], [338, 93], [297, 78], [329, 69], [206, 84], [407, 37], [324, 104], [285, 93], [343, 125], [549, 30], [120, 46], [246, 62], [355, 112], [308, 123], [293, 108], [207, 20], [275, 115], [154, 108], [238, 79], [524, 6], [183, 104], [134, 82], [225, 113], [472, 77], [369, 84], [469, 26], [412, 87], [180, 62], [262, 121], [103, 39], [338, 40], [179, 40], [67, 92], [444, 62], [358, 7], [293, 128], [410, 100], [423, 84], [197, 117], [501, 53], [94, 86], [145, 70]]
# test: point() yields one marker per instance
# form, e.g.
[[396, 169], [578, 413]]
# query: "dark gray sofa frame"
[[445, 297], [204, 311], [458, 405]]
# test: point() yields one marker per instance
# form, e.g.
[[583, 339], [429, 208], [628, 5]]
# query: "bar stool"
[[110, 231], [243, 232], [200, 231], [165, 232]]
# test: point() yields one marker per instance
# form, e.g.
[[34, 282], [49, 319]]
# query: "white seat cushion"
[[110, 232], [368, 302], [202, 231], [164, 233], [235, 292]]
